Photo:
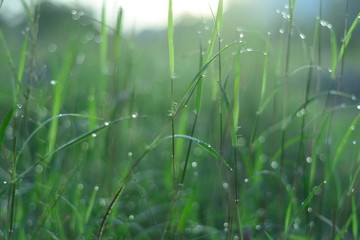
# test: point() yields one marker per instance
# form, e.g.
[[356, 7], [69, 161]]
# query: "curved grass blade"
[[205, 146], [304, 204], [343, 142], [45, 123], [191, 86], [348, 37], [71, 142], [108, 212]]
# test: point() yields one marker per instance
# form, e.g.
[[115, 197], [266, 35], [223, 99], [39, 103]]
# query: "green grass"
[[247, 133]]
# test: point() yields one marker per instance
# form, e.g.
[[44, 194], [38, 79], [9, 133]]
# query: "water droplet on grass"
[[246, 180], [93, 135], [309, 160], [225, 185], [134, 115], [358, 107], [352, 127], [96, 188], [131, 217], [274, 165], [281, 30], [52, 47], [242, 35], [309, 209], [258, 227], [354, 142], [130, 154], [194, 164], [39, 169], [226, 225], [302, 36], [53, 82], [4, 182], [106, 123]]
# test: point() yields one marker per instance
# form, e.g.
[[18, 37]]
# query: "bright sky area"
[[138, 14]]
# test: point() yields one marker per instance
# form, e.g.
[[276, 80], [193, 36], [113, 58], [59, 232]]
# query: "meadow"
[[240, 126]]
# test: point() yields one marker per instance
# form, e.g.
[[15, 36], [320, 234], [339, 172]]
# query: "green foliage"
[[88, 142]]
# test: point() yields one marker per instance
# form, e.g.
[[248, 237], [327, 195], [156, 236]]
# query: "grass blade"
[[207, 147], [5, 122]]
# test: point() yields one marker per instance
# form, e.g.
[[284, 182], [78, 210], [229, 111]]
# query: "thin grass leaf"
[[288, 215], [268, 236], [348, 37], [334, 51], [108, 212], [216, 29], [343, 142], [5, 122], [304, 204], [171, 40], [205, 146], [104, 45], [22, 64], [91, 205], [341, 233], [191, 86], [355, 220], [187, 210], [118, 37], [62, 78]]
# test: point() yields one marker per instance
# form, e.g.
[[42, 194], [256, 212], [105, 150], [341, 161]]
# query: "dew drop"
[[358, 107], [93, 135], [194, 164], [19, 106], [52, 47], [353, 97], [130, 154], [309, 160], [302, 36], [39, 169], [4, 182], [226, 225], [258, 227], [225, 185], [134, 115], [96, 188], [309, 209], [274, 165], [325, 182], [131, 217], [53, 82], [242, 35], [246, 180], [354, 142], [281, 30], [352, 127], [106, 123]]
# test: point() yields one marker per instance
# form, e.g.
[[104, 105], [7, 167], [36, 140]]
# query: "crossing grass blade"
[[207, 147], [348, 37], [342, 144]]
